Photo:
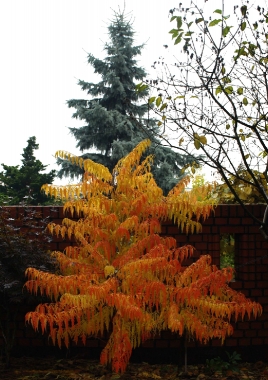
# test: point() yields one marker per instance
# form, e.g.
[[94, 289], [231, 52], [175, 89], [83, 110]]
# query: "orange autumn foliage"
[[122, 277]]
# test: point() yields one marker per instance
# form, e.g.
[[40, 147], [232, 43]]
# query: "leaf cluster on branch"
[[214, 98], [122, 277]]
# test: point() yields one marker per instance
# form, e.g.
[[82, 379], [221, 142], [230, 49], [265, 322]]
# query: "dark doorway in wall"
[[227, 250]]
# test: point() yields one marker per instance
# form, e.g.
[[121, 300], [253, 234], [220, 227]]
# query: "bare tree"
[[214, 99]]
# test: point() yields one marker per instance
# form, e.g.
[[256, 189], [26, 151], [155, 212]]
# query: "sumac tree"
[[123, 277]]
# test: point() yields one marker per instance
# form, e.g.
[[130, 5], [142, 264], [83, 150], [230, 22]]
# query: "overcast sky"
[[44, 46]]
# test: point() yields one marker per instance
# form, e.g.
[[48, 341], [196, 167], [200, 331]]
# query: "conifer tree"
[[23, 184], [115, 116]]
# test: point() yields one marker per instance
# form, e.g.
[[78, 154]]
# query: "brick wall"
[[251, 279], [251, 251]]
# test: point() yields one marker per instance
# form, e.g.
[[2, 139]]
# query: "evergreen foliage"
[[115, 116], [23, 184]]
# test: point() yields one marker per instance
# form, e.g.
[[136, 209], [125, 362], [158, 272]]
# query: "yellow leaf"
[[197, 144], [181, 141], [108, 271], [203, 139]]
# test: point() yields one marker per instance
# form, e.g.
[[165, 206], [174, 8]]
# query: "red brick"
[[195, 238], [102, 343], [215, 230], [243, 325], [237, 285], [250, 285], [238, 334], [216, 343], [262, 284], [218, 211], [92, 343], [263, 300], [244, 342], [63, 245], [231, 342], [24, 342], [255, 292], [161, 343], [257, 341], [175, 343], [226, 210], [57, 220], [222, 221], [232, 229], [245, 292], [247, 221], [173, 230], [252, 276], [201, 246], [163, 230], [263, 317], [239, 211], [266, 325], [256, 325], [13, 211], [254, 230], [80, 343], [192, 343], [21, 325], [181, 239], [61, 214], [251, 334], [30, 333], [37, 342], [263, 333], [53, 246], [148, 343], [260, 268], [206, 230], [235, 221], [167, 222], [19, 333]]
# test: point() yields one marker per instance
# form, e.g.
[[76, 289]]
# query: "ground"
[[26, 368]]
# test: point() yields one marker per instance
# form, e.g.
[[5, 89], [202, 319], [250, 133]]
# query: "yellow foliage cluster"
[[122, 277], [244, 185]]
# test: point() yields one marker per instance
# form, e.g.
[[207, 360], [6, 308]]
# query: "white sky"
[[44, 46]]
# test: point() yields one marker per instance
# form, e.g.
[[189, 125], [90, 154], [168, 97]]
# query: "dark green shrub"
[[219, 365], [23, 244]]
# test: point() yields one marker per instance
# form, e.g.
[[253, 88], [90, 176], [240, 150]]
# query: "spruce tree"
[[115, 115], [23, 184]]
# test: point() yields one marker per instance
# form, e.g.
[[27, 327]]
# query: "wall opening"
[[227, 250]]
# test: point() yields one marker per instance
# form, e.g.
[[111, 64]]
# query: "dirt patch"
[[26, 368]]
